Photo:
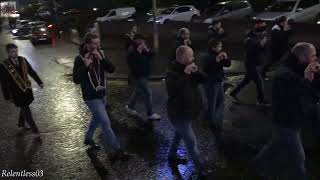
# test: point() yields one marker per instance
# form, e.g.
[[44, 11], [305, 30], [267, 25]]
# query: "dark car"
[[25, 30], [42, 33], [139, 17]]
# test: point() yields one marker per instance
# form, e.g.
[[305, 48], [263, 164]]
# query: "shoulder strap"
[[17, 78]]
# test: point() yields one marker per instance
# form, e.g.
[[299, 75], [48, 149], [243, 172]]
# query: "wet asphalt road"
[[62, 118]]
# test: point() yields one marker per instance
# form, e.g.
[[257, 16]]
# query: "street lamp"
[[155, 27]]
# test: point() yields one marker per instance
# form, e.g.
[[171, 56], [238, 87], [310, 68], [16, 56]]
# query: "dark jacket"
[[214, 69], [128, 41], [139, 64], [293, 97], [184, 95], [255, 53], [11, 90], [80, 76], [279, 41], [213, 33]]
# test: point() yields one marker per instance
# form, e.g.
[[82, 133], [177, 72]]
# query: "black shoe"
[[234, 97], [177, 160], [119, 156], [92, 144]]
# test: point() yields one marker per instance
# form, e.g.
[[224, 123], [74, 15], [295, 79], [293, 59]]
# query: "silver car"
[[295, 10], [227, 10]]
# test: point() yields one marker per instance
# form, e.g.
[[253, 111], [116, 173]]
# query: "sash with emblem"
[[21, 80]]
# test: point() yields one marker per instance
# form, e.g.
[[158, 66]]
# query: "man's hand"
[[87, 60], [140, 48], [145, 48], [97, 55], [221, 56], [191, 68], [187, 42], [221, 31], [263, 41], [287, 28], [311, 70]]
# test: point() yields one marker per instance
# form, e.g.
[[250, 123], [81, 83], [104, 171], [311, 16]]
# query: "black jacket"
[[279, 41], [214, 69], [11, 90], [139, 64], [255, 53], [80, 76], [184, 95], [213, 33], [293, 96]]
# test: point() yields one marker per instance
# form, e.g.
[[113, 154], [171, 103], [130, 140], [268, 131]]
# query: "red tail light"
[[50, 26]]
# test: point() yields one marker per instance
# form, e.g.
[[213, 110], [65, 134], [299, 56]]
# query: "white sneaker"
[[131, 112], [154, 116]]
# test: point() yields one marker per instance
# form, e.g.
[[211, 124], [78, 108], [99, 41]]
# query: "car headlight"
[[43, 29], [14, 31], [318, 22]]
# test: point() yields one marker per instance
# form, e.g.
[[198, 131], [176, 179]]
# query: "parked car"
[[180, 13], [295, 10], [41, 33], [139, 17], [117, 14], [43, 13], [226, 10], [21, 23], [26, 30]]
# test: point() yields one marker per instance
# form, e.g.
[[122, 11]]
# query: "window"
[[227, 8], [183, 9], [112, 13], [307, 3], [213, 10], [282, 6], [167, 11], [239, 5]]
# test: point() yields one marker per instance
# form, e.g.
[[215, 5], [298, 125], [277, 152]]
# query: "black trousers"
[[26, 116], [254, 75]]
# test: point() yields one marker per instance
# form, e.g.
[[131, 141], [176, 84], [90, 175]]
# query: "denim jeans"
[[142, 89], [100, 118], [184, 131], [285, 151], [215, 99]]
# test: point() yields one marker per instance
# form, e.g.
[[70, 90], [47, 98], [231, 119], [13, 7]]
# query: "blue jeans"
[[285, 151], [215, 99], [184, 131], [142, 89], [100, 118]]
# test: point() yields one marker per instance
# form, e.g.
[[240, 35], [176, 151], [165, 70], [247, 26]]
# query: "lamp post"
[[155, 27]]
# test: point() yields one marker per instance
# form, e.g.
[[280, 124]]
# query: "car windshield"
[[167, 11], [283, 6], [213, 10]]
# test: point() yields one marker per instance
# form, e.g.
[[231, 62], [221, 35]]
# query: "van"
[[295, 10], [117, 14]]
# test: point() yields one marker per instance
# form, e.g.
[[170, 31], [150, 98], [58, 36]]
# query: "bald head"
[[184, 55], [305, 52]]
